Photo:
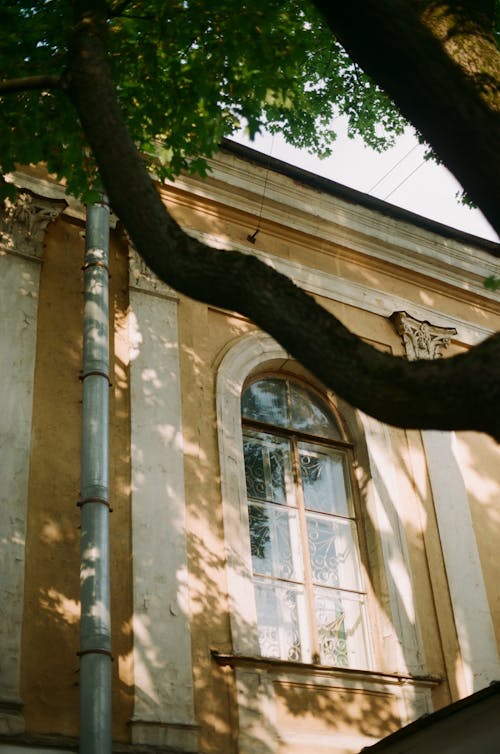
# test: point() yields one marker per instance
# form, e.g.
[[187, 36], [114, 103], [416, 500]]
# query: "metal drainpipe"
[[95, 628]]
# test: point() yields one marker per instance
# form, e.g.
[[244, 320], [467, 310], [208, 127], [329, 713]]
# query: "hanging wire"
[[393, 168], [404, 180], [252, 236]]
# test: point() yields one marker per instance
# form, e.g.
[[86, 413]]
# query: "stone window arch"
[[393, 643]]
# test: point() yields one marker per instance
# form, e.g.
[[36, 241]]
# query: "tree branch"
[[12, 86], [392, 44], [462, 392]]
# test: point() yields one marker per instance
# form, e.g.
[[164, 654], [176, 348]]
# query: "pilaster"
[[471, 610], [163, 689], [22, 231]]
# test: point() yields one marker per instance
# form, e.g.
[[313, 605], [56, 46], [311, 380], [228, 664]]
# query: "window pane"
[[324, 479], [266, 401], [309, 415], [334, 552], [278, 620], [341, 628], [268, 468], [274, 541]]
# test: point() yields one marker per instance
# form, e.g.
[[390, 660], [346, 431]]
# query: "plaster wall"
[[205, 336], [19, 278], [49, 678], [185, 341]]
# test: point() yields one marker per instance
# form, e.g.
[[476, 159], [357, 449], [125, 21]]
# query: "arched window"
[[309, 593]]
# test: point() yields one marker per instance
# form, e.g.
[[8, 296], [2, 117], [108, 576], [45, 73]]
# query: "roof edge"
[[353, 196]]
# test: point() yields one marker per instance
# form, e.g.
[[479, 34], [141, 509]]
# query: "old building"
[[287, 575]]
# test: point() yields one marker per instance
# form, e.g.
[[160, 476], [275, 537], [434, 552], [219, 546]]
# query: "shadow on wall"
[[197, 593], [50, 666]]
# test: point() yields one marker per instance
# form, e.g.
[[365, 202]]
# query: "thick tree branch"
[[392, 44], [462, 392], [13, 86]]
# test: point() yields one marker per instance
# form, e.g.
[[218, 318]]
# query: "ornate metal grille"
[[309, 594]]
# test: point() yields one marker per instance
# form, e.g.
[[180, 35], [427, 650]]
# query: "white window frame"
[[399, 641], [358, 644], [258, 352]]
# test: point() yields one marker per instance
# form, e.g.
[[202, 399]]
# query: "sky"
[[400, 176]]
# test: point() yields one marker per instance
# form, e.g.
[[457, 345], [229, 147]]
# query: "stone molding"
[[421, 339], [143, 278], [22, 228], [24, 222], [180, 737], [11, 716], [163, 679], [239, 184], [348, 292]]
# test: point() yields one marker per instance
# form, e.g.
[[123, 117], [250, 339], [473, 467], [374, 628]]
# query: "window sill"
[[274, 664]]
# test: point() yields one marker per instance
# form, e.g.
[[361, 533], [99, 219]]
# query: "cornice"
[[242, 186], [177, 197], [43, 186], [250, 188], [358, 295]]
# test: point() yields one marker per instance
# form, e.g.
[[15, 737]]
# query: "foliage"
[[187, 73], [184, 76], [492, 283]]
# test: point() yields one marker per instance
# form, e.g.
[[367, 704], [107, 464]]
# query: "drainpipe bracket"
[[99, 500], [106, 652], [97, 373]]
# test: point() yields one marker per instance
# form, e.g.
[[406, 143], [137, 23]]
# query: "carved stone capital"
[[23, 223], [421, 339], [141, 277]]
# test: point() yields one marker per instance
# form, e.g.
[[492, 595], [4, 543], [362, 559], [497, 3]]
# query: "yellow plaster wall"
[[205, 335], [50, 630], [49, 675], [317, 709], [479, 454]]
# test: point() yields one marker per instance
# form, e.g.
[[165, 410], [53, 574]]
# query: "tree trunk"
[[462, 392], [391, 41]]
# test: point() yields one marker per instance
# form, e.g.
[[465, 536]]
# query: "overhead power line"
[[404, 180], [393, 168]]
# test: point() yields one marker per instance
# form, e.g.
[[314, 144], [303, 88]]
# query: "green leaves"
[[187, 74], [492, 283]]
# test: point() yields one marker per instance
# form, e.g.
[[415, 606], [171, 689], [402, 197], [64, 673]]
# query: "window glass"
[[278, 609], [286, 404], [309, 416], [341, 629], [324, 479], [309, 595], [333, 552], [274, 542], [266, 401], [268, 468]]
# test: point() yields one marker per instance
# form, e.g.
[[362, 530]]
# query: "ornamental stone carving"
[[421, 339], [23, 223], [143, 278]]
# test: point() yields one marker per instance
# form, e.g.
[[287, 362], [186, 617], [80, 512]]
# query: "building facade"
[[287, 574]]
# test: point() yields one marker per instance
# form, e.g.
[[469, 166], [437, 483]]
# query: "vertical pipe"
[[95, 629]]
